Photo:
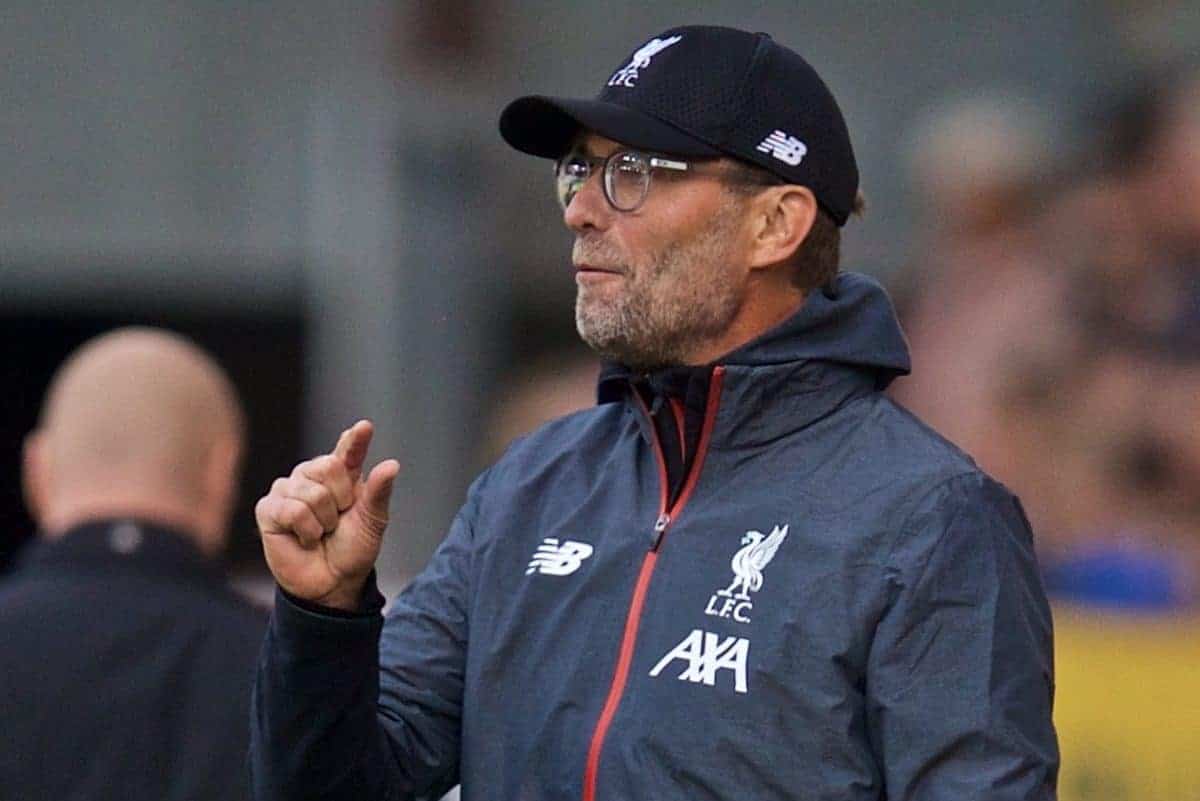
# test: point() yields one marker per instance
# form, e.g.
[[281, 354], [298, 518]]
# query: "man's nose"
[[588, 209]]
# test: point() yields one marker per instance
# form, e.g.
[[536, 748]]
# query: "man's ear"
[[222, 469], [783, 216], [35, 475]]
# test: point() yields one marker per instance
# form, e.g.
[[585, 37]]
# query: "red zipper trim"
[[629, 638], [710, 415], [619, 677], [664, 493]]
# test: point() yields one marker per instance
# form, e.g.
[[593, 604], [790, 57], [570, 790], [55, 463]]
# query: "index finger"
[[352, 446]]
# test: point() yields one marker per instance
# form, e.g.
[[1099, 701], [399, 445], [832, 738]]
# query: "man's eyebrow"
[[585, 152]]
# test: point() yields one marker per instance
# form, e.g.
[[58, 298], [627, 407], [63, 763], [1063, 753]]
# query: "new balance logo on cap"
[[555, 559], [787, 149], [641, 59]]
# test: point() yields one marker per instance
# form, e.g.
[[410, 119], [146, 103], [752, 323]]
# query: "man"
[[745, 574], [126, 662]]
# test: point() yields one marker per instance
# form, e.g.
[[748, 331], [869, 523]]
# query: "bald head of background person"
[[138, 423]]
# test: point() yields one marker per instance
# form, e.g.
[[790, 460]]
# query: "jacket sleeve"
[[960, 673], [329, 721]]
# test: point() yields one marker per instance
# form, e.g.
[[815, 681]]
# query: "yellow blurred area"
[[1127, 706]]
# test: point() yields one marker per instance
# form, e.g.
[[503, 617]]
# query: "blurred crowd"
[[1054, 316]]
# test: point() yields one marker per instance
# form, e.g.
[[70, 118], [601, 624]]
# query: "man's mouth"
[[592, 268]]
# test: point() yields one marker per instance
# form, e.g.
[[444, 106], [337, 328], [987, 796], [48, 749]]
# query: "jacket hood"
[[852, 323]]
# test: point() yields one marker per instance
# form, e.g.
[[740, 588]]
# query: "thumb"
[[377, 489]]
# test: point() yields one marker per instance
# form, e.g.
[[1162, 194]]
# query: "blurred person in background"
[[745, 573], [554, 385], [1122, 423], [1145, 294], [981, 307], [1057, 342], [1053, 336], [126, 660]]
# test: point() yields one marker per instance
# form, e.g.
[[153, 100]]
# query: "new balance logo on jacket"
[[555, 559]]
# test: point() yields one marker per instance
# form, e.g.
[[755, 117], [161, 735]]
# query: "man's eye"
[[576, 169]]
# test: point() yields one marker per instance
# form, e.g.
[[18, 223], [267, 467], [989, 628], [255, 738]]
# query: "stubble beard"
[[665, 308]]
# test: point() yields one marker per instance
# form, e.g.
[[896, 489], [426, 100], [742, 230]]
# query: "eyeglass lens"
[[570, 174], [626, 178]]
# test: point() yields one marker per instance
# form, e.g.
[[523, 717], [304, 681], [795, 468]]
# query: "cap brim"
[[546, 127]]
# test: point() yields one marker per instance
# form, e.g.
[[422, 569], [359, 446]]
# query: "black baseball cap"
[[706, 91]]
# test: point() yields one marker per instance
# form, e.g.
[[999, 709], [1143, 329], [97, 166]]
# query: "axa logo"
[[748, 564], [641, 59], [787, 149], [704, 655], [556, 558]]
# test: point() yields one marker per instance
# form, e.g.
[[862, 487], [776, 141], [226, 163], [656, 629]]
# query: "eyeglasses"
[[626, 176]]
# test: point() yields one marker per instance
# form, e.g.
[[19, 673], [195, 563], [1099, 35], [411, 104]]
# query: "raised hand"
[[322, 526]]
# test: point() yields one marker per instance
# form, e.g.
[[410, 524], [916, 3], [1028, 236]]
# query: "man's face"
[[657, 283]]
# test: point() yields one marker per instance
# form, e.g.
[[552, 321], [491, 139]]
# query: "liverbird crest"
[[641, 59], [748, 563]]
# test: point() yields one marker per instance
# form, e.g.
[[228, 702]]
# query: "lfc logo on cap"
[[641, 59]]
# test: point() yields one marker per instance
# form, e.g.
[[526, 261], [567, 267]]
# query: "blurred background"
[[317, 193]]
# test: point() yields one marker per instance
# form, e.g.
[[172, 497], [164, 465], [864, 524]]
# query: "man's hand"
[[322, 525]]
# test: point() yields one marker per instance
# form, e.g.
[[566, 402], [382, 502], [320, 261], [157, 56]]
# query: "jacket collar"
[[843, 343], [122, 546]]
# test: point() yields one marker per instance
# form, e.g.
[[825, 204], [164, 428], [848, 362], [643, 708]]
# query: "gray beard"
[[685, 297]]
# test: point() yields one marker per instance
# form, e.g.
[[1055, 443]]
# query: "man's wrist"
[[364, 600], [347, 597]]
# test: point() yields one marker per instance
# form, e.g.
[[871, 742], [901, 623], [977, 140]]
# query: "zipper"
[[667, 513], [660, 528]]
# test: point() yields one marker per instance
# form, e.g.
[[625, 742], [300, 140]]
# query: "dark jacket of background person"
[[898, 644], [127, 665]]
